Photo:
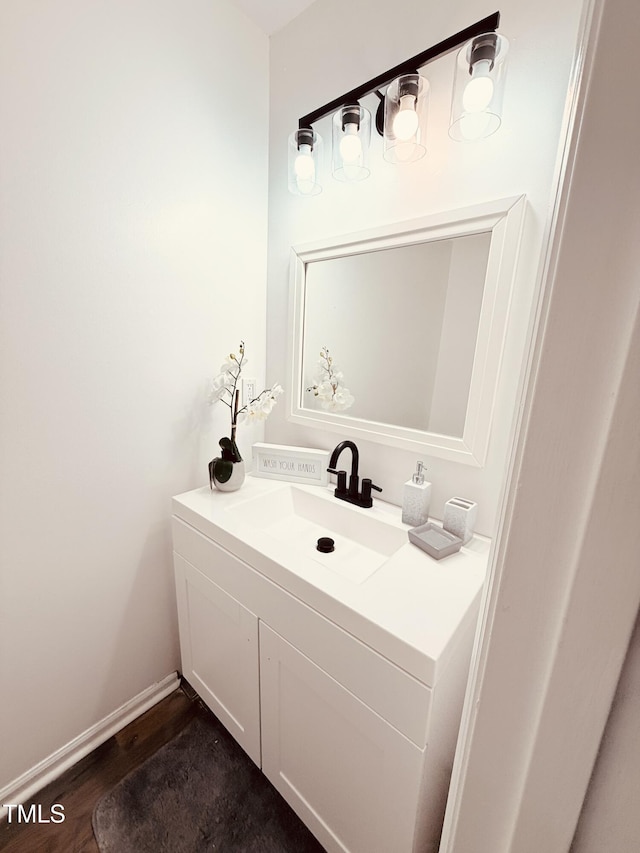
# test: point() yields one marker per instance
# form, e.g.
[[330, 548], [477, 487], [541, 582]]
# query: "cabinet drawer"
[[391, 692]]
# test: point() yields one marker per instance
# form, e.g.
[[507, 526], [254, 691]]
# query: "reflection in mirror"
[[400, 326], [397, 333]]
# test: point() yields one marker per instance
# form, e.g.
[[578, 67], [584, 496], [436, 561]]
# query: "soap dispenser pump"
[[416, 498]]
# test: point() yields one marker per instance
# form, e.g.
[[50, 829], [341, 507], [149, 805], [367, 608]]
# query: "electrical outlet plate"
[[249, 390]]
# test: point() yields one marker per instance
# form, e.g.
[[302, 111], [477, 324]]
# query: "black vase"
[[226, 472]]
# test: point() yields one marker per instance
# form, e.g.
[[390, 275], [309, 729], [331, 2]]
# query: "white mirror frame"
[[503, 218]]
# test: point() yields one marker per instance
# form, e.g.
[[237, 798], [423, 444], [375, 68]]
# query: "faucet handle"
[[342, 479], [367, 485]]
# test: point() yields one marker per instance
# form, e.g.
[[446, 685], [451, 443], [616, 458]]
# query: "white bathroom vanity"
[[341, 674]]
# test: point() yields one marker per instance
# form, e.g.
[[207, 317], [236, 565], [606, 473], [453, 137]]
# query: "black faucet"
[[351, 493]]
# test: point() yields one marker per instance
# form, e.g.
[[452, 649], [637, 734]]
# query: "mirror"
[[401, 324], [398, 332]]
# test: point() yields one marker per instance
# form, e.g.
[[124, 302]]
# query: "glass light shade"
[[478, 88], [351, 132], [405, 119], [304, 158]]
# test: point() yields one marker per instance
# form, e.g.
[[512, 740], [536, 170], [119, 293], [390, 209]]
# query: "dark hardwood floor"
[[80, 787]]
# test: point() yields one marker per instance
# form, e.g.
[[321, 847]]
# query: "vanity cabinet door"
[[350, 776], [219, 648]]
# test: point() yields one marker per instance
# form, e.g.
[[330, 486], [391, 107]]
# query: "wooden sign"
[[296, 464]]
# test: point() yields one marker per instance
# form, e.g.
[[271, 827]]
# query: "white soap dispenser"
[[416, 499]]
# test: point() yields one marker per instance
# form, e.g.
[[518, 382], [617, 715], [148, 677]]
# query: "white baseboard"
[[29, 783]]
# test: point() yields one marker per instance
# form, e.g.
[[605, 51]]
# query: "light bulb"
[[304, 166], [478, 92], [350, 144], [405, 121], [305, 170]]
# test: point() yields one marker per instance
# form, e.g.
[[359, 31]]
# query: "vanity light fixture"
[[402, 114], [476, 107]]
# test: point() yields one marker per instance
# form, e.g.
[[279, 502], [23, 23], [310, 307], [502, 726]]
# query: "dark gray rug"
[[200, 792]]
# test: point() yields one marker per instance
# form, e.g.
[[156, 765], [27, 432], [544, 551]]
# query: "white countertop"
[[411, 610]]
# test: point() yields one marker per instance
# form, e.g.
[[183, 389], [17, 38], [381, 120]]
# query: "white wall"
[[314, 60], [610, 819], [132, 183]]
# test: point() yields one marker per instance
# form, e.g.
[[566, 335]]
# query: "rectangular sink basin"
[[297, 517]]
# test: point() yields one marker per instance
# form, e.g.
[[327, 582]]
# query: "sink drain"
[[325, 544]]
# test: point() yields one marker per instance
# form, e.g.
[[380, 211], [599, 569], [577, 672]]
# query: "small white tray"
[[438, 543]]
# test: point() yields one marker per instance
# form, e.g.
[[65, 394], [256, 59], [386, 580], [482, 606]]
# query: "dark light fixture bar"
[[488, 24]]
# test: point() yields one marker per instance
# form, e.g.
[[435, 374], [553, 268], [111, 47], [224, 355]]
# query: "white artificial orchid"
[[328, 387], [260, 408], [342, 399], [225, 387], [219, 386]]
